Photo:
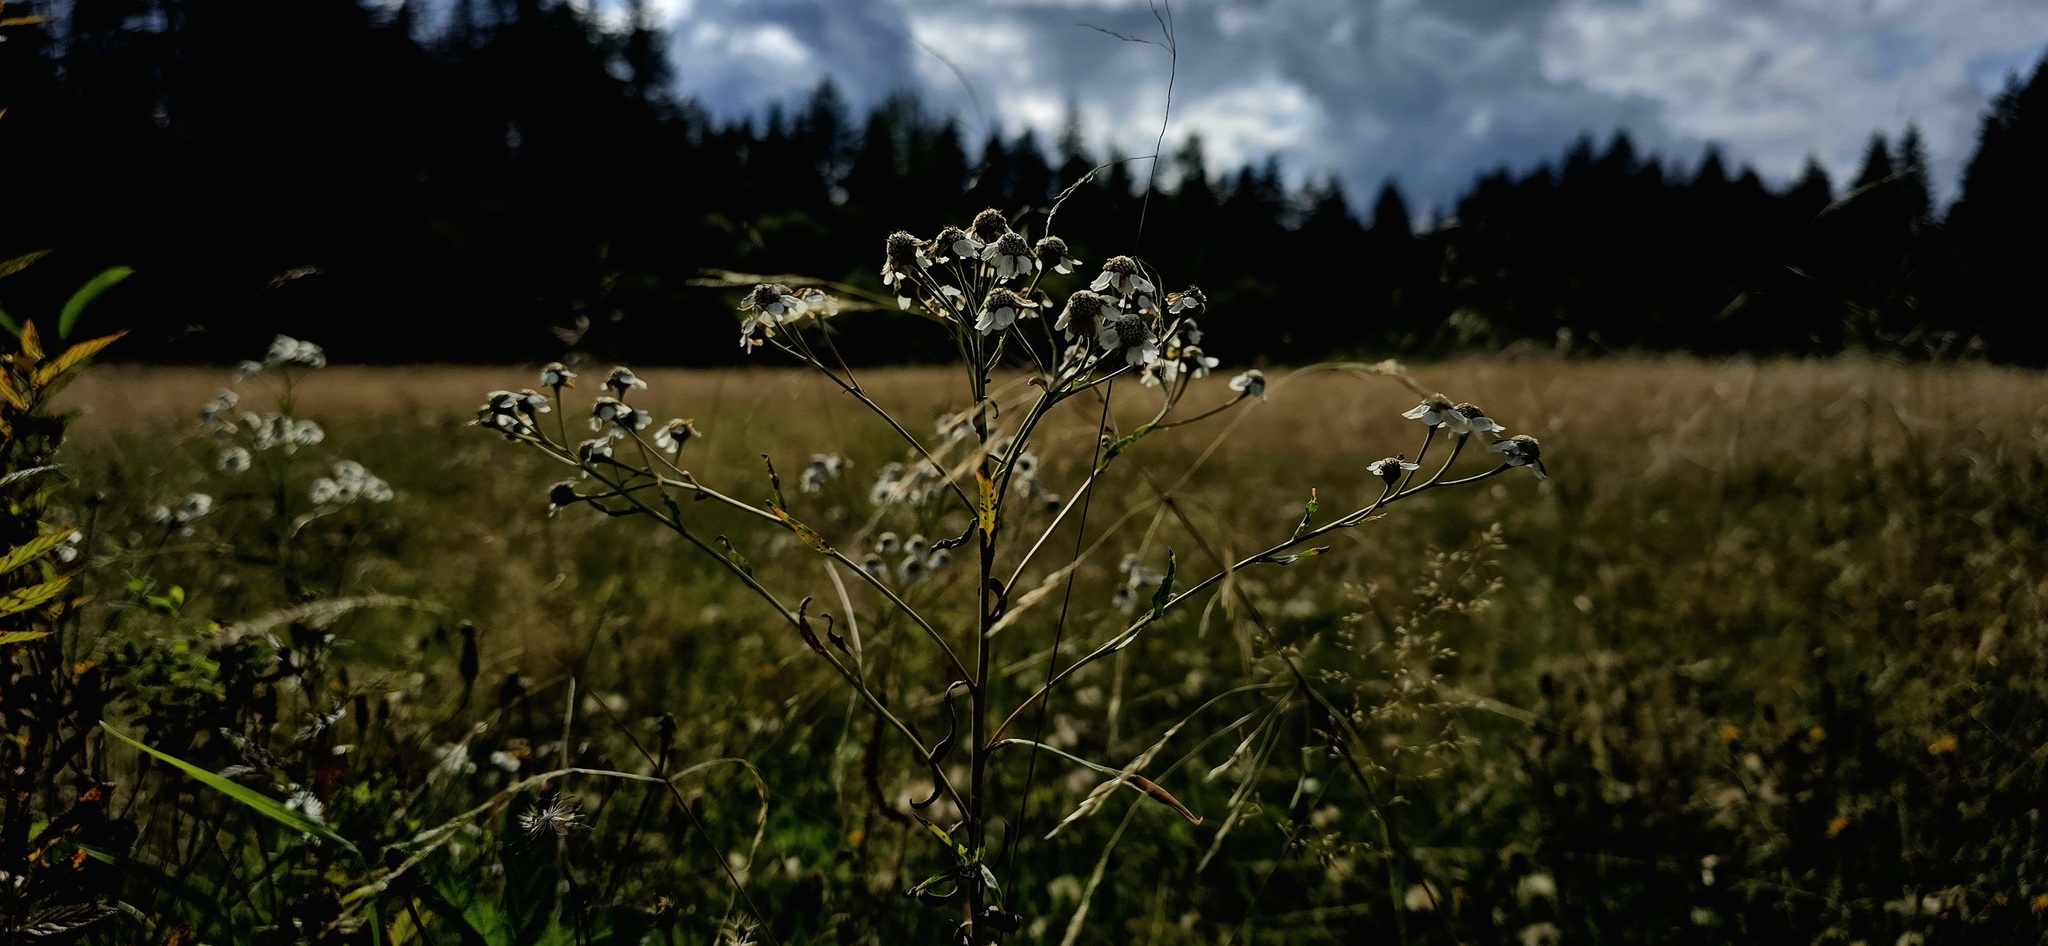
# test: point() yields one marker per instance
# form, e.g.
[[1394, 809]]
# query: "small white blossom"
[[954, 243], [67, 549], [674, 434], [1120, 274], [233, 460], [1522, 450], [904, 256], [244, 370], [286, 350], [1132, 336], [911, 570], [1011, 256], [556, 375], [1190, 300], [622, 380], [1084, 315], [1390, 469], [1252, 383], [305, 433], [1001, 310], [1436, 411], [887, 543], [817, 303], [305, 803], [1535, 887], [1052, 252], [222, 403], [1474, 420], [614, 417], [823, 467]]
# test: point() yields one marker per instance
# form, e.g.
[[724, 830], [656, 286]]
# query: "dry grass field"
[[1765, 658]]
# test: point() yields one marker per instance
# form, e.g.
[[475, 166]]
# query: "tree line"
[[524, 179]]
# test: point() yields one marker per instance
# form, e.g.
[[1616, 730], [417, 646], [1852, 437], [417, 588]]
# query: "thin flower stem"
[[1205, 415], [691, 484], [747, 579], [1128, 634], [886, 417]]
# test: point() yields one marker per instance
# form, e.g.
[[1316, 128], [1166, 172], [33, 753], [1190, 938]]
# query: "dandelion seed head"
[[555, 816]]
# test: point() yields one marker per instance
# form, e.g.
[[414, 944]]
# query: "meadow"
[[1764, 658]]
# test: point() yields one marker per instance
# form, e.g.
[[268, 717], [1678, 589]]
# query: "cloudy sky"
[[1428, 92]]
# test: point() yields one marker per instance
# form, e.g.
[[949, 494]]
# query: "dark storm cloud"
[[1427, 92]]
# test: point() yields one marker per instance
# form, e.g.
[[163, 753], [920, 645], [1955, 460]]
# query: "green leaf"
[[1120, 446], [86, 294], [32, 549], [22, 599], [1165, 592], [12, 477], [19, 263], [21, 637], [7, 322], [262, 804]]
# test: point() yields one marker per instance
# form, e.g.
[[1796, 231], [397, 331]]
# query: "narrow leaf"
[[31, 345], [1164, 797], [261, 804], [985, 510], [19, 263], [21, 637], [33, 549], [1165, 592], [74, 356], [809, 535], [33, 596], [75, 307], [23, 474]]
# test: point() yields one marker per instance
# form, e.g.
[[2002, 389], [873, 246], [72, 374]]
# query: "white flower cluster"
[[512, 413], [913, 485], [1180, 351], [918, 559], [823, 468], [286, 350], [178, 519], [1465, 418], [769, 306], [348, 482]]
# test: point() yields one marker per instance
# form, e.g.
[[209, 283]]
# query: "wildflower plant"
[[976, 496]]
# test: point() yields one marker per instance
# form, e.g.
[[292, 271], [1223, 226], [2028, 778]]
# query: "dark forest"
[[512, 181]]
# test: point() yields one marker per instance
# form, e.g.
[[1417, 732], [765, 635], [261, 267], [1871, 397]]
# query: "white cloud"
[[1427, 91]]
